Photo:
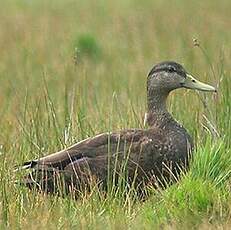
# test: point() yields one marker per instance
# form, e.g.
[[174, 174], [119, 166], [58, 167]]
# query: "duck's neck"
[[157, 114]]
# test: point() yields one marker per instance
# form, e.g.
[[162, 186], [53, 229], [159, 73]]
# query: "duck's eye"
[[171, 69]]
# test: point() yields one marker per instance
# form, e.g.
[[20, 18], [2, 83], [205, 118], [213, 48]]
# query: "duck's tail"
[[42, 177], [26, 165]]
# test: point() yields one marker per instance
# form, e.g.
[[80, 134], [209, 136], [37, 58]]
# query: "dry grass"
[[48, 101]]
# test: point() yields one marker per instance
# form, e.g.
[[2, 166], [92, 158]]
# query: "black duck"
[[141, 156]]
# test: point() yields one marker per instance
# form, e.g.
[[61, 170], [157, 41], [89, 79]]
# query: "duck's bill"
[[192, 83]]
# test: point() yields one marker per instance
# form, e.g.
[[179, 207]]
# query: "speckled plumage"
[[151, 155]]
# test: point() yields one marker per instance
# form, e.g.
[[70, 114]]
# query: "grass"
[[49, 101]]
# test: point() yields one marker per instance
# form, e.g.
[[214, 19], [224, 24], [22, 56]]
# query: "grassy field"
[[72, 69]]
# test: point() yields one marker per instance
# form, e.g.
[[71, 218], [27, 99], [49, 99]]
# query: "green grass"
[[49, 101]]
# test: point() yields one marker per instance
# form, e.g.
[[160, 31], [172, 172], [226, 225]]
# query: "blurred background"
[[72, 69], [79, 67]]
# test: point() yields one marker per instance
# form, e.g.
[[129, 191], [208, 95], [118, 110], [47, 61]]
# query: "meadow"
[[73, 69]]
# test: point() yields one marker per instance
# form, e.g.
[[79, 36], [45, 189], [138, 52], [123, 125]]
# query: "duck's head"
[[167, 76]]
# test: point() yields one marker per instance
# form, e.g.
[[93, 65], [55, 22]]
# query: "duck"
[[154, 155]]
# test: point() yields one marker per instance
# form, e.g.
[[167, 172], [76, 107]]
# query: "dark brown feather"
[[144, 153]]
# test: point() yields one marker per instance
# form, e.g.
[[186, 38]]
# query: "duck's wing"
[[99, 145]]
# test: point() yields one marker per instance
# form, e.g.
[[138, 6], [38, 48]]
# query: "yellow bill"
[[191, 83]]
